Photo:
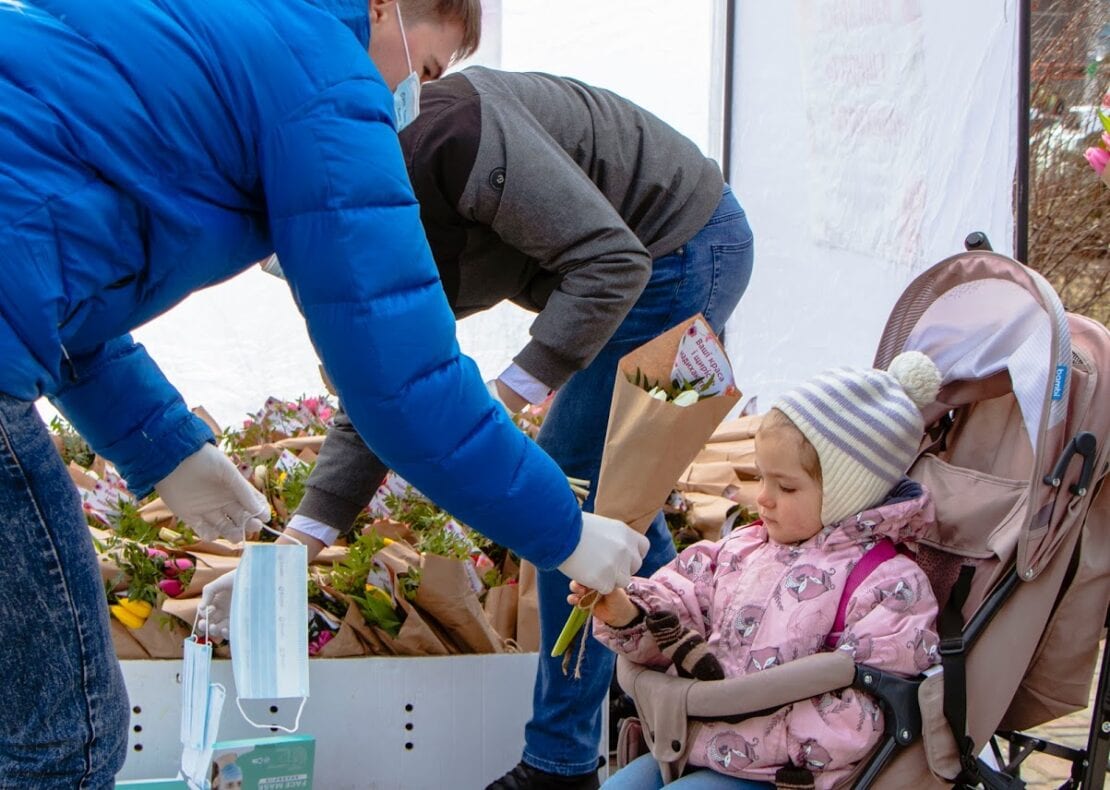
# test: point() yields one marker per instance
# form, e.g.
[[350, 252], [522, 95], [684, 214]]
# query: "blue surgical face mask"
[[202, 703], [196, 676], [195, 763], [269, 627], [406, 97]]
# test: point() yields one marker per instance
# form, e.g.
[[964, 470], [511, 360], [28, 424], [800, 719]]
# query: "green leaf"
[[376, 611], [1105, 120]]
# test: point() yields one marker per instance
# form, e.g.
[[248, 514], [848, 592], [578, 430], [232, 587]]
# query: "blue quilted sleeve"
[[121, 403], [347, 229]]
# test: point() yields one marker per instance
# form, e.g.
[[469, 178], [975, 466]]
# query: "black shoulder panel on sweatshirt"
[[440, 148]]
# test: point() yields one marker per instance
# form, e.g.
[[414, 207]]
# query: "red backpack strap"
[[882, 551]]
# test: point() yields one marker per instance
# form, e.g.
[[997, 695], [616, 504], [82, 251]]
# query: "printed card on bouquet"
[[669, 396]]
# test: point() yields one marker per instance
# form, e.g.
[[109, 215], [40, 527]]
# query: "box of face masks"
[[281, 762]]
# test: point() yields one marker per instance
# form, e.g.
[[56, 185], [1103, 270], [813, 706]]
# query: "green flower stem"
[[577, 619]]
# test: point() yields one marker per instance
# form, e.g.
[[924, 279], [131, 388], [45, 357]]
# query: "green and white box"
[[280, 762]]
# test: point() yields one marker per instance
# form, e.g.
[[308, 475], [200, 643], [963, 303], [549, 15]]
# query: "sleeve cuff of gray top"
[[547, 366], [330, 509]]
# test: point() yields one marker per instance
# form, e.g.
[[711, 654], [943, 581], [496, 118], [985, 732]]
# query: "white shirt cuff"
[[525, 384], [313, 528]]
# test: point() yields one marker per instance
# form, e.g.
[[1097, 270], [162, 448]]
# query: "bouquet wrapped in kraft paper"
[[669, 396], [651, 439]]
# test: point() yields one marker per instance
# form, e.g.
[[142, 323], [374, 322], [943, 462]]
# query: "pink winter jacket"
[[760, 604]]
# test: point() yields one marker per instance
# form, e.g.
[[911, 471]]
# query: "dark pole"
[[1021, 222], [726, 107]]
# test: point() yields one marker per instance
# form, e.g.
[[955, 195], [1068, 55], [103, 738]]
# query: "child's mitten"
[[687, 649], [791, 777]]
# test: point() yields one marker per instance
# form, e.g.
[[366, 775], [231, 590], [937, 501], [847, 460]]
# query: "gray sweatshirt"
[[547, 192]]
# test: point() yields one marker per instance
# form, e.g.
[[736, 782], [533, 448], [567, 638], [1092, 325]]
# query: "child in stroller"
[[818, 571]]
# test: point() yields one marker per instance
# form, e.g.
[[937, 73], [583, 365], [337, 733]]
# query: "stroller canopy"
[[980, 314], [977, 314]]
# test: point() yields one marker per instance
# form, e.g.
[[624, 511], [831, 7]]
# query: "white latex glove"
[[207, 492], [607, 555], [214, 614]]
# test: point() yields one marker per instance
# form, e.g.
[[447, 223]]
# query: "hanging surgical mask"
[[196, 676], [406, 98], [269, 628], [202, 703], [195, 763]]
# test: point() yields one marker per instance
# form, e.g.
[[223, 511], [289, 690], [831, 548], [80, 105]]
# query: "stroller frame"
[[901, 698]]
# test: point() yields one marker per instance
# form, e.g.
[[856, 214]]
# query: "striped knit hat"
[[866, 426]]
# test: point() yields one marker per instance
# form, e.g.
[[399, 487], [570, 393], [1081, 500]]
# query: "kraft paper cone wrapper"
[[649, 442], [445, 595]]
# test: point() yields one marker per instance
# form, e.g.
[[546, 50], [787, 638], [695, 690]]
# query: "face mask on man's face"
[[406, 98]]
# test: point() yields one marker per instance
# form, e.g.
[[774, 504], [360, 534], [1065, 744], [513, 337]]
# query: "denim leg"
[[708, 779], [708, 275], [640, 774], [63, 705], [643, 774]]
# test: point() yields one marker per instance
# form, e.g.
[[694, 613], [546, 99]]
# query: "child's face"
[[789, 498]]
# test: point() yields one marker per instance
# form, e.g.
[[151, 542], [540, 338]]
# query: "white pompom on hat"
[[866, 426]]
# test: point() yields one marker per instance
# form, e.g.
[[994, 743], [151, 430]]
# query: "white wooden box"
[[379, 723]]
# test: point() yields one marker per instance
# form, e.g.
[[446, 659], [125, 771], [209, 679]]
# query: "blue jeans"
[[63, 705], [708, 274], [643, 774]]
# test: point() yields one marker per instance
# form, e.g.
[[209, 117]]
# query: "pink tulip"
[[177, 565], [171, 587], [324, 637], [1098, 158], [157, 554], [313, 648]]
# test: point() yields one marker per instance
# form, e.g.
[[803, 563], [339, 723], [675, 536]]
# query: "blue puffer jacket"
[[150, 148]]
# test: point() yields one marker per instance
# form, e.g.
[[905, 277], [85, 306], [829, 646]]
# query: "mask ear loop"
[[196, 619], [300, 710], [404, 38], [296, 723], [280, 534]]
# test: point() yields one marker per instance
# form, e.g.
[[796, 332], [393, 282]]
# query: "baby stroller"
[[1016, 453]]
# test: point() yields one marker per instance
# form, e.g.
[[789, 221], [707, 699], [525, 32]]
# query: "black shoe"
[[525, 777]]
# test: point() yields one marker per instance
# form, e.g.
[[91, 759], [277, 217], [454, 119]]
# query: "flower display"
[[1099, 156]]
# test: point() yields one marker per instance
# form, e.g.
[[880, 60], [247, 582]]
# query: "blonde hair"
[[467, 13], [776, 421]]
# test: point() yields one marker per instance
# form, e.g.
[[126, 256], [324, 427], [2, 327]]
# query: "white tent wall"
[[870, 137], [231, 346]]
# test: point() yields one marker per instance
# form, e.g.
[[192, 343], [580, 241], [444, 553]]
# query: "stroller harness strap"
[[882, 551]]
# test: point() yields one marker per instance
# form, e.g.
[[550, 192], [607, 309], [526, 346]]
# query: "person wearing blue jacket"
[[152, 149]]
